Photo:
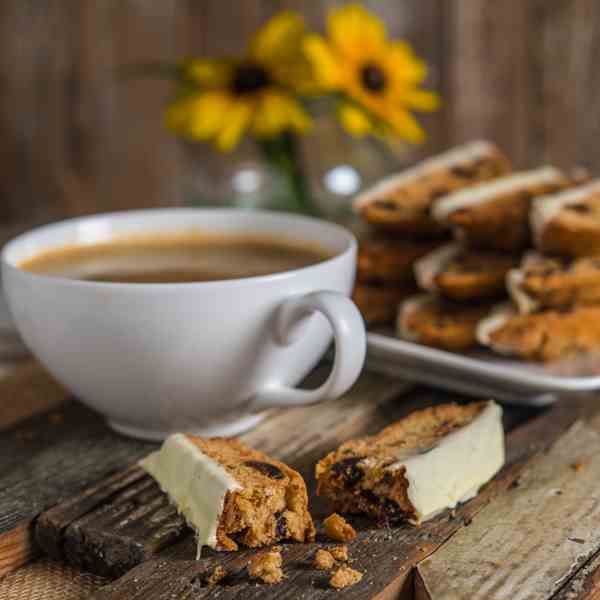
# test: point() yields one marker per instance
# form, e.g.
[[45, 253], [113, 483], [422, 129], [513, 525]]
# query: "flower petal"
[[403, 65], [279, 39], [200, 116], [405, 125], [236, 122], [326, 68], [422, 100], [207, 73], [354, 120], [354, 30], [279, 112]]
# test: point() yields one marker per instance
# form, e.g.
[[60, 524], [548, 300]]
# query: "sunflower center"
[[373, 78], [249, 78]]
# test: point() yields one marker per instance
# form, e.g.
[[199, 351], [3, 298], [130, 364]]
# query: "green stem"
[[282, 154]]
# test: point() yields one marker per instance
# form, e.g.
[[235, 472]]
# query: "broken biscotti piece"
[[569, 222], [496, 214], [543, 282], [337, 528], [430, 320], [417, 467], [231, 494], [401, 202], [460, 274], [545, 336]]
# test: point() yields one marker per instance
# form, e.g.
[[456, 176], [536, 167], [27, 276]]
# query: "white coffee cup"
[[203, 357]]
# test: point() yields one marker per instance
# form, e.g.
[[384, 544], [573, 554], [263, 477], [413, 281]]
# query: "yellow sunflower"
[[378, 78], [219, 100]]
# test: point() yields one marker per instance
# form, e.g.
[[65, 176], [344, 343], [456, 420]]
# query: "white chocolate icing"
[[497, 318], [429, 266], [470, 151], [458, 466], [195, 483], [545, 208], [406, 308], [514, 284], [485, 192]]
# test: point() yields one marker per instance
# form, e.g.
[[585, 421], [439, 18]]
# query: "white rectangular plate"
[[479, 373]]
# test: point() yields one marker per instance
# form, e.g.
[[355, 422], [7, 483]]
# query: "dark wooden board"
[[76, 138], [46, 460], [385, 556], [51, 457], [106, 528]]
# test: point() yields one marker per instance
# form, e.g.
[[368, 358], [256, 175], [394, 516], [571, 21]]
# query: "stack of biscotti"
[[463, 281], [401, 227], [554, 311], [529, 240]]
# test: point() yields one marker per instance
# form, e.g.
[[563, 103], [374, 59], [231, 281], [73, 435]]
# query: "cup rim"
[[351, 245]]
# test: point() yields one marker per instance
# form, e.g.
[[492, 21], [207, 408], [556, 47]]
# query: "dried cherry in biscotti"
[[348, 470], [265, 468]]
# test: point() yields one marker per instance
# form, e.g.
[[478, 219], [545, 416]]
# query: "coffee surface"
[[181, 258]]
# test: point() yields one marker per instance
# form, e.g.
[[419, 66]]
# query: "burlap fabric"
[[27, 389]]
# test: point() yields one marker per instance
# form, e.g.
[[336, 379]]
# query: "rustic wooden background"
[[75, 139]]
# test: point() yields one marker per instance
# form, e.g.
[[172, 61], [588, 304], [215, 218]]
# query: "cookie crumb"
[[339, 553], [217, 574], [337, 528], [266, 566], [345, 577], [578, 466], [324, 560]]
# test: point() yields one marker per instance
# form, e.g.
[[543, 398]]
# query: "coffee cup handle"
[[350, 348]]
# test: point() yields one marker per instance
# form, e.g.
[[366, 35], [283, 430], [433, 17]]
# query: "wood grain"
[[385, 557], [77, 139], [53, 456], [529, 541]]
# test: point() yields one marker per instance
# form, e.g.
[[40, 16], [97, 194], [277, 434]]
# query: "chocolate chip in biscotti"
[[348, 470], [466, 172], [386, 204], [281, 526], [265, 468], [582, 209]]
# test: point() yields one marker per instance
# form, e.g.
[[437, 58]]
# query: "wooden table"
[[531, 533]]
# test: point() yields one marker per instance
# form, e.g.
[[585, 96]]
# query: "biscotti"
[[543, 282], [417, 467], [550, 335], [568, 223], [461, 274], [384, 260], [231, 494], [430, 320], [496, 214], [402, 202], [378, 304]]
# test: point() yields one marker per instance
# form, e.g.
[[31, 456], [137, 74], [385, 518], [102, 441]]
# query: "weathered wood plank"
[[50, 458], [584, 585], [75, 139], [528, 542], [386, 557], [488, 71], [28, 389]]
